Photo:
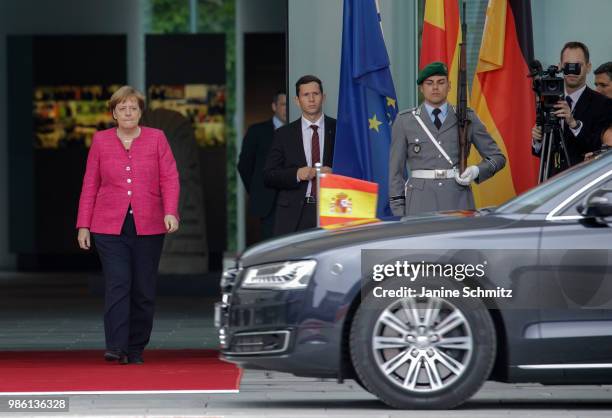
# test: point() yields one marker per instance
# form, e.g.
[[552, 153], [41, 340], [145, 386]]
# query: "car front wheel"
[[422, 352]]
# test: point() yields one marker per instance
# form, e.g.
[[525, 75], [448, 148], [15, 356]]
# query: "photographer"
[[584, 113]]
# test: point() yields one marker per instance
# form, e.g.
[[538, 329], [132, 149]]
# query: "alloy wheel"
[[422, 344]]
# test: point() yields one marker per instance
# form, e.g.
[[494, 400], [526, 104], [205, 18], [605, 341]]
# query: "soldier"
[[424, 158]]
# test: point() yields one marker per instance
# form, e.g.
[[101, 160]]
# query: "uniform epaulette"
[[410, 110], [469, 109]]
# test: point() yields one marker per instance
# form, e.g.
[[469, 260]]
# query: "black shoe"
[[135, 358], [116, 355], [112, 355]]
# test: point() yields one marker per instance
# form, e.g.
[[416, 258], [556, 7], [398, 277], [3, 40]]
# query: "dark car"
[[312, 304]]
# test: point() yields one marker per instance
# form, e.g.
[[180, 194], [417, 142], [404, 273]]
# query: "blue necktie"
[[437, 120]]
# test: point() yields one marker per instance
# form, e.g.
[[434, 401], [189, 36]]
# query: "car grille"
[[265, 342]]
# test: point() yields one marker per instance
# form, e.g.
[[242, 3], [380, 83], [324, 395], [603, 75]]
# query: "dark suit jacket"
[[595, 112], [255, 148], [280, 172]]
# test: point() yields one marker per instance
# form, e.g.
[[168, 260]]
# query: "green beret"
[[434, 68]]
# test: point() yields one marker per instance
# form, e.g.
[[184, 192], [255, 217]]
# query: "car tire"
[[425, 373], [360, 383]]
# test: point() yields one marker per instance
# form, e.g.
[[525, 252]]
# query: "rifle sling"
[[432, 139]]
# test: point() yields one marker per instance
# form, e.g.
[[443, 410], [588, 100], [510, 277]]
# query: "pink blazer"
[[144, 177]]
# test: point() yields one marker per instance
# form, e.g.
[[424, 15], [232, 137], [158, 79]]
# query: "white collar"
[[443, 108], [306, 123], [277, 122], [576, 95]]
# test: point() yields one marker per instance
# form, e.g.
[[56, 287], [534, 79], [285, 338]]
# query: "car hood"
[[308, 243]]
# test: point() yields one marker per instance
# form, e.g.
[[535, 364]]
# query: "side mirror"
[[596, 204]]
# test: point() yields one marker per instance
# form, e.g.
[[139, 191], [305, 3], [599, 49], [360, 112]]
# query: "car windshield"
[[534, 198]]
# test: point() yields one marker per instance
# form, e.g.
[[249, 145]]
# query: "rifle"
[[462, 117]]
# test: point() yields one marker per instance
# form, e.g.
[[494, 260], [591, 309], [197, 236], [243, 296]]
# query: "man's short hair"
[[277, 95], [576, 45], [605, 68], [305, 80]]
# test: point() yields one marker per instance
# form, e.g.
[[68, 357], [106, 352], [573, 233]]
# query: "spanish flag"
[[345, 199], [441, 39], [503, 99]]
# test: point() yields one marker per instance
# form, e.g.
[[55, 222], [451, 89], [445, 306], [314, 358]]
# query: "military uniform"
[[412, 152]]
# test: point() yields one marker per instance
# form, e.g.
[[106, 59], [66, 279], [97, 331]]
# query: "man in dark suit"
[[255, 148], [584, 113], [296, 149]]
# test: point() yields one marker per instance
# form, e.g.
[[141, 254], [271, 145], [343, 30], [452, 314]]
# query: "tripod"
[[552, 138]]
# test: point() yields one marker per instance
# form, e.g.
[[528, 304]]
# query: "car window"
[[570, 209], [568, 181]]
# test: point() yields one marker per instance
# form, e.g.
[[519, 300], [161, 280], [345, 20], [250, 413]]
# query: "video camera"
[[549, 88]]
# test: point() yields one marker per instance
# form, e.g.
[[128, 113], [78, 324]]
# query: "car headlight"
[[279, 276]]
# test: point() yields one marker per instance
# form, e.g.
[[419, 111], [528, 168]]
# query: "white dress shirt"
[[307, 132], [575, 97], [277, 122], [441, 116]]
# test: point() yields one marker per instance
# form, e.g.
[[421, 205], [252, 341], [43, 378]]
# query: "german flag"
[[441, 39], [345, 199], [503, 99]]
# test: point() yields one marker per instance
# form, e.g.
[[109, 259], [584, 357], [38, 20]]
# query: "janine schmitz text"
[[441, 292]]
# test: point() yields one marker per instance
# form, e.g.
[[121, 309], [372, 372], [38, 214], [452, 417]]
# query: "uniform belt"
[[310, 199], [434, 174]]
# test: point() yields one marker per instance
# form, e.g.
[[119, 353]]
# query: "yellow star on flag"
[[391, 102], [374, 123]]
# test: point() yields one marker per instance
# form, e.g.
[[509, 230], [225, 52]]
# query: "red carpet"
[[167, 371]]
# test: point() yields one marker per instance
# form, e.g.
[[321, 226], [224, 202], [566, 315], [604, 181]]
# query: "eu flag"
[[367, 103]]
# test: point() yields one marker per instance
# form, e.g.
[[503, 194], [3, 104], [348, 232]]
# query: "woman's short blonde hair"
[[124, 93]]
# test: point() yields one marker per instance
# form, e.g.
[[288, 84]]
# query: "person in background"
[[255, 147], [606, 143], [129, 200], [584, 113], [297, 147], [603, 79], [606, 137]]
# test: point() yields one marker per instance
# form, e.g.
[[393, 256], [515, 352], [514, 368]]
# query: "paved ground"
[[64, 312], [279, 395]]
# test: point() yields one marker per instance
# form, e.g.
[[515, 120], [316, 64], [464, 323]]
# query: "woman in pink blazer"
[[128, 202]]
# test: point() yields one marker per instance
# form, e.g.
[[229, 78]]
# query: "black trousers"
[[267, 226], [130, 263], [308, 217]]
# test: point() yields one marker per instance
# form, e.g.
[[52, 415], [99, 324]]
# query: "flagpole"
[[379, 18], [318, 186]]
